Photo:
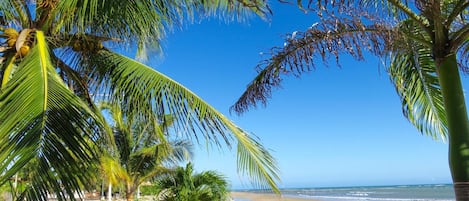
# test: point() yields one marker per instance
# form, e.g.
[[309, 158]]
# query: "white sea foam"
[[377, 193], [345, 198], [359, 193]]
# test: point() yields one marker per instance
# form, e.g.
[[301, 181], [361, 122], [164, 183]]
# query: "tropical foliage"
[[185, 185], [56, 62], [424, 43], [140, 152]]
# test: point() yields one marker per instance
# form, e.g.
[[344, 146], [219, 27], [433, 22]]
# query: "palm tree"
[[54, 67], [140, 152], [185, 185], [424, 42]]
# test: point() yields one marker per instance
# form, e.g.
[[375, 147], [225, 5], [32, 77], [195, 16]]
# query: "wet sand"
[[245, 196]]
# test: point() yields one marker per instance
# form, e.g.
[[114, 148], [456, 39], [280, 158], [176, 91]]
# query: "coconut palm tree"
[[54, 66], [425, 44], [139, 152], [185, 185]]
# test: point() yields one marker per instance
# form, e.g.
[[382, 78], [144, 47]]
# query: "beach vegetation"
[[185, 185], [140, 151], [58, 58]]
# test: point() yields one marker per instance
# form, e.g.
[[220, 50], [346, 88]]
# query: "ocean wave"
[[423, 192], [344, 198], [359, 193]]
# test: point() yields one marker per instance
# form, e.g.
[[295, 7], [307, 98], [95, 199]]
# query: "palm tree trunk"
[[129, 197], [458, 126], [102, 190], [14, 192], [129, 192], [109, 192], [138, 192]]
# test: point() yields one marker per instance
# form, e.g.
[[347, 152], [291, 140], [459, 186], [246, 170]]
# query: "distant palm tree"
[[425, 44], [53, 67], [185, 185], [139, 151]]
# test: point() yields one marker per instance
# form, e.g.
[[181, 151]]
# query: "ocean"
[[431, 192]]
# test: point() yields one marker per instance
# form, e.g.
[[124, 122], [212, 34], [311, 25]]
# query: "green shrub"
[[149, 189]]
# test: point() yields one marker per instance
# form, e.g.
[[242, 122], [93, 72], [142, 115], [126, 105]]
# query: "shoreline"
[[252, 196]]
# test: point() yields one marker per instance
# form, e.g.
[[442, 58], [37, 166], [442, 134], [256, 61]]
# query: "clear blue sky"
[[332, 127]]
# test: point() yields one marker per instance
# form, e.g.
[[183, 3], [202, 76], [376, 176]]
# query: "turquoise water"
[[377, 193]]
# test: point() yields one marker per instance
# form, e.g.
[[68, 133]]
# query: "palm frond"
[[139, 154], [461, 33], [323, 40], [75, 81], [113, 170], [212, 185], [257, 163], [130, 21], [141, 89], [456, 11], [414, 76], [15, 12], [152, 174], [146, 160], [185, 184], [387, 10], [8, 68], [381, 7], [143, 23], [8, 14], [43, 121]]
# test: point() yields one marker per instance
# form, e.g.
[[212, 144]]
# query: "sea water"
[[431, 192]]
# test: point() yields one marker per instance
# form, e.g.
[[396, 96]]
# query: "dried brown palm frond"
[[383, 28], [301, 52]]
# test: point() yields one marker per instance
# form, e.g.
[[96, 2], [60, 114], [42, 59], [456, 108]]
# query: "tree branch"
[[460, 7], [28, 13], [21, 13], [420, 40], [421, 21], [460, 37], [75, 76], [44, 12]]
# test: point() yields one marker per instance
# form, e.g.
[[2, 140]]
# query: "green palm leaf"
[[44, 123], [113, 170], [141, 89], [139, 154], [413, 72], [150, 161], [143, 22], [414, 76], [7, 12], [212, 185], [184, 184], [16, 12], [146, 166], [81, 14]]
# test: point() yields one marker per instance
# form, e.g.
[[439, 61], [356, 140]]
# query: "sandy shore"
[[264, 197]]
